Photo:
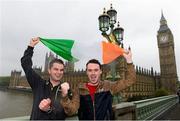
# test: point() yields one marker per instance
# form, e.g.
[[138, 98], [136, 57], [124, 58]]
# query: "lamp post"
[[107, 21]]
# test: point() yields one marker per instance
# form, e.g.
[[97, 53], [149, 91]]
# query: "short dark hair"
[[55, 61], [94, 61]]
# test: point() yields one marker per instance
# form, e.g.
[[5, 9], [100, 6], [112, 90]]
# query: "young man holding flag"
[[48, 93], [96, 95]]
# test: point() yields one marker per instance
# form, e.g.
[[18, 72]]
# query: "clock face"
[[163, 38]]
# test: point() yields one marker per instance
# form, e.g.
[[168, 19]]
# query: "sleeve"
[[119, 85], [26, 63], [71, 106]]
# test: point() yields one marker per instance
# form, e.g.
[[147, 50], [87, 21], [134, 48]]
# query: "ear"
[[100, 71]]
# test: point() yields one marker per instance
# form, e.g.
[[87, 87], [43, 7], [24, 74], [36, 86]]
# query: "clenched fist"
[[44, 105], [64, 89], [128, 56], [34, 41]]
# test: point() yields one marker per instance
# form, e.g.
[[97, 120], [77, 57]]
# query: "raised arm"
[[26, 63], [119, 85]]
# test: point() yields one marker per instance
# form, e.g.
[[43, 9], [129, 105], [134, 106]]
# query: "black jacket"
[[100, 109], [41, 89]]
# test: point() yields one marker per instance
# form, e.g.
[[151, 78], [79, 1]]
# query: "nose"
[[93, 72]]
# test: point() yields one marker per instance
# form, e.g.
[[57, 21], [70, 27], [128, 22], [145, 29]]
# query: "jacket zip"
[[94, 109]]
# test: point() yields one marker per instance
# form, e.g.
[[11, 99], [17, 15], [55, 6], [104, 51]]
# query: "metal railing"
[[149, 109]]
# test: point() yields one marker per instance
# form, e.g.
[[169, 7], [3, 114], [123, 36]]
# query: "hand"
[[64, 89], [128, 56], [34, 41], [44, 105]]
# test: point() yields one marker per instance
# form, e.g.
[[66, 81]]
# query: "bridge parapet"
[[125, 111], [150, 109]]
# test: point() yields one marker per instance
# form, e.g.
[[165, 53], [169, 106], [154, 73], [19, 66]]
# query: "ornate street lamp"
[[104, 21], [118, 33], [108, 20], [113, 16]]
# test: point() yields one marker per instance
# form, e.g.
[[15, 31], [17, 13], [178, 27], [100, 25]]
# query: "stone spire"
[[163, 23]]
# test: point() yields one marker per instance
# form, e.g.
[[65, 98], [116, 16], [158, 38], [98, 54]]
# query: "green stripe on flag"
[[61, 47]]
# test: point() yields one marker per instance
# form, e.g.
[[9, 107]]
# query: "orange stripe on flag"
[[110, 52]]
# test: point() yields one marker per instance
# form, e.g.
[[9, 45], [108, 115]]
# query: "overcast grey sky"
[[78, 20]]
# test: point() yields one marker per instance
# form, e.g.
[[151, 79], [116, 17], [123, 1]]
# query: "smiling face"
[[93, 72], [56, 72]]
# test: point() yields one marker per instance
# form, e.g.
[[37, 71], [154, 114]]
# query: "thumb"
[[49, 100], [65, 85]]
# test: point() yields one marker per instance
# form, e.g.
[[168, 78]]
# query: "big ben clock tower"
[[167, 56]]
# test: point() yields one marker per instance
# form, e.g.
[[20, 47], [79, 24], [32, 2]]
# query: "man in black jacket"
[[50, 97]]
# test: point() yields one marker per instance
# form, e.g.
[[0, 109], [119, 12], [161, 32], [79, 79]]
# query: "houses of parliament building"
[[148, 80]]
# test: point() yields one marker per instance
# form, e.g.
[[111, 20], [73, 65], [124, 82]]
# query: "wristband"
[[49, 110]]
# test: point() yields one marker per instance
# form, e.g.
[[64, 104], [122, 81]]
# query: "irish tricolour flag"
[[63, 47]]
